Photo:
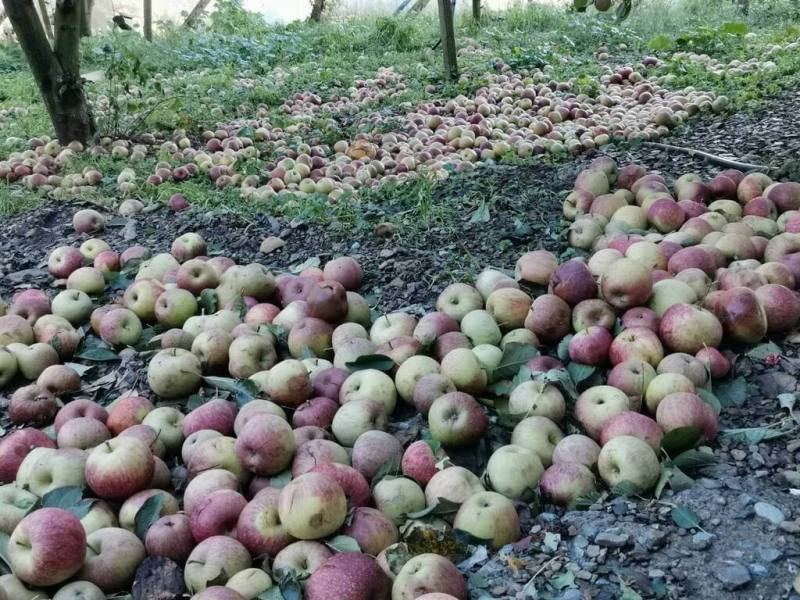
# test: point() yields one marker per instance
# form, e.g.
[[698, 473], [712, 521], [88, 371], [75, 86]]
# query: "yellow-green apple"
[[514, 471], [398, 496], [369, 384], [141, 297], [456, 419], [433, 325], [289, 383], [416, 367], [508, 307], [196, 275], [549, 317], [777, 273], [168, 422], [563, 483], [171, 537], [490, 357], [312, 506], [457, 299], [663, 385], [635, 424], [215, 559], [112, 556], [316, 452], [60, 380], [88, 280], [489, 516], [44, 469], [131, 507], [174, 373], [217, 452], [602, 259], [15, 503], [34, 359], [63, 261], [520, 336], [576, 448], [14, 328], [454, 484], [101, 515], [354, 484], [429, 573], [536, 397], [174, 306], [572, 282], [668, 292], [358, 310], [538, 434], [391, 326], [249, 584], [627, 458], [350, 350], [344, 332], [79, 590], [626, 283], [206, 483], [250, 354], [253, 280], [577, 202], [302, 557], [74, 305], [481, 328], [649, 254], [686, 365], [636, 343], [8, 367], [92, 247], [355, 417], [88, 221], [193, 440], [593, 313], [687, 328], [491, 280], [597, 405], [47, 547], [632, 377], [683, 409], [212, 348], [373, 449], [463, 368], [311, 334], [216, 514], [348, 574]]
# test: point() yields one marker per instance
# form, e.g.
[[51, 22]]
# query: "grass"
[[236, 65]]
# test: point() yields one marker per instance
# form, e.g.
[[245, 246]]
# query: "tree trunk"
[[86, 17], [197, 11], [448, 39], [420, 5], [48, 27], [56, 71], [317, 8], [148, 20], [476, 10]]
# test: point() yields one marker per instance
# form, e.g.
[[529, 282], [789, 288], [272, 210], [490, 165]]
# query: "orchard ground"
[[727, 545]]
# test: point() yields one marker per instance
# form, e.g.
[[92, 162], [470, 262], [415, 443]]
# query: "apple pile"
[[516, 113]]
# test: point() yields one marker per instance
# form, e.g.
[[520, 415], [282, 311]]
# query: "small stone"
[[770, 554], [572, 594], [270, 244], [757, 570], [738, 455], [612, 539], [619, 507], [767, 511], [792, 478], [791, 526], [701, 540], [584, 574], [733, 576], [592, 550], [744, 500]]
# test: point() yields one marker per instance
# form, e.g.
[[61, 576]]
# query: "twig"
[[723, 162]]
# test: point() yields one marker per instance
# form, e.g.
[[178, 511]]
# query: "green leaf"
[[628, 593], [442, 507], [514, 357], [709, 398], [118, 280], [660, 43], [787, 401], [387, 469], [762, 351], [380, 362], [625, 488], [481, 214], [291, 590], [68, 498], [279, 332], [733, 392], [280, 480], [562, 379], [684, 517], [246, 132], [691, 460], [208, 302], [310, 263], [343, 543], [683, 438], [563, 581], [680, 481], [273, 593], [79, 368], [751, 435], [196, 401], [563, 348], [94, 349], [580, 372], [735, 28], [243, 390], [587, 500], [148, 514], [144, 343], [666, 474]]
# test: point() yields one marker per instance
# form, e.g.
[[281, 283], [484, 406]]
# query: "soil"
[[621, 547]]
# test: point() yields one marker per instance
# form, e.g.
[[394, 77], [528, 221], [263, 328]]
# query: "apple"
[[292, 288], [777, 273], [344, 270], [663, 385], [15, 446], [491, 280], [15, 503], [100, 515], [350, 350], [79, 590], [428, 388], [171, 537], [312, 506], [127, 411], [489, 516], [107, 262], [635, 424], [419, 462], [88, 280], [34, 359], [316, 452], [302, 558], [265, 445], [259, 526], [254, 408], [538, 434], [637, 343], [188, 246], [261, 314], [481, 328], [597, 405], [349, 575], [576, 448], [535, 397], [289, 383], [174, 373], [47, 547], [249, 584], [456, 419], [168, 422], [73, 305], [83, 433], [59, 380], [88, 221], [687, 328], [627, 458], [508, 307], [683, 409], [253, 280], [120, 327], [112, 556], [514, 471], [141, 297], [92, 247], [429, 573], [717, 363], [131, 507], [63, 261], [8, 367], [742, 316], [415, 368], [372, 529], [217, 414], [14, 328], [32, 404], [149, 436], [448, 342], [463, 368], [134, 255], [686, 365], [318, 412], [632, 377], [392, 326], [457, 299], [357, 417], [314, 335], [563, 483], [215, 559], [217, 452], [593, 313], [601, 260], [374, 449], [454, 484], [193, 440], [206, 483], [520, 336], [219, 592], [44, 469], [216, 514], [781, 305], [433, 325], [369, 384], [549, 318], [590, 346], [196, 275], [572, 282]]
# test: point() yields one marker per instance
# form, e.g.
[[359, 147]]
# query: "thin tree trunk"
[[317, 8], [86, 17], [198, 9], [48, 27], [420, 5], [148, 20], [476, 10], [57, 70], [448, 39]]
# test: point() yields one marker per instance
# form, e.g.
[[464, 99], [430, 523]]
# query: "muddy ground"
[[747, 541]]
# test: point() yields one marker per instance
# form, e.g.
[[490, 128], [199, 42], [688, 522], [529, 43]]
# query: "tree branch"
[[68, 36], [48, 27], [32, 38], [718, 160]]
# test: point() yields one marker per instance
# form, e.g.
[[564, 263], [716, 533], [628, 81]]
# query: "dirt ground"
[[747, 541]]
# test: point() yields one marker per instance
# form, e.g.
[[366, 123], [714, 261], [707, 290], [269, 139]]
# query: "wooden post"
[[448, 34], [147, 29], [476, 10]]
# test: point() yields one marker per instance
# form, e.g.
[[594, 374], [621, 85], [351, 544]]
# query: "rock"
[[767, 511], [738, 455], [701, 540], [757, 570], [769, 554], [612, 538], [573, 594], [733, 576], [792, 478], [791, 526], [270, 244]]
